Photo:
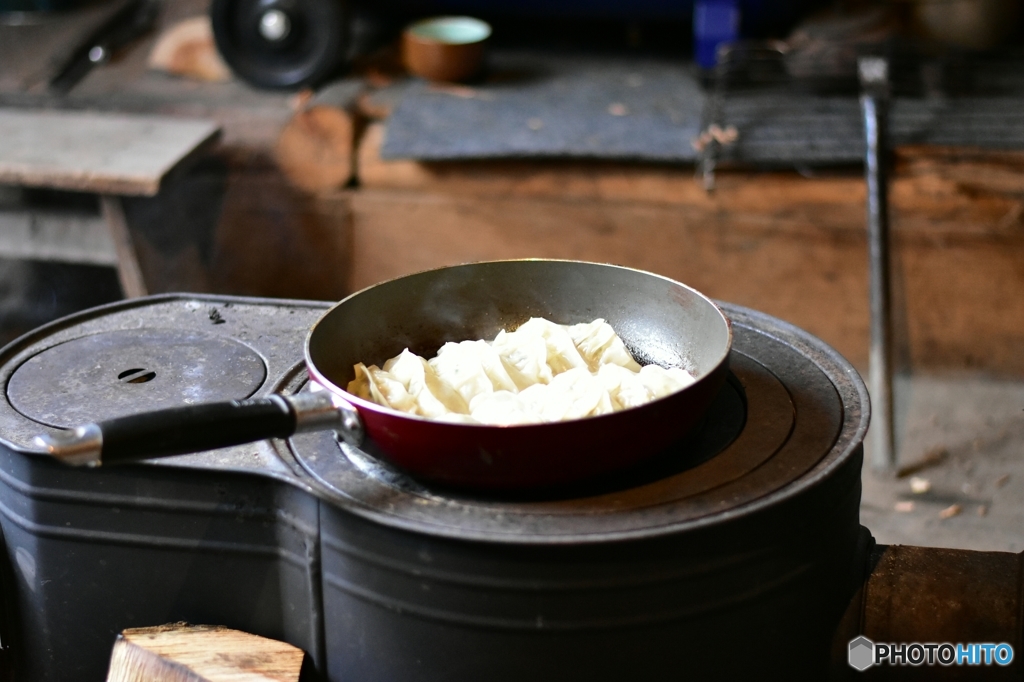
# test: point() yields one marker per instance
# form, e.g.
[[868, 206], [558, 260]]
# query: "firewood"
[[187, 49], [314, 150], [201, 653]]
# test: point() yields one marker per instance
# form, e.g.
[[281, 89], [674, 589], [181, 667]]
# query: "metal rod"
[[874, 100]]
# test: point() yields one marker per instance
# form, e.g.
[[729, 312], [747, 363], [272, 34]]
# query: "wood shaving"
[[1002, 480], [951, 511], [930, 459], [920, 486], [723, 136], [701, 141], [715, 133], [904, 507]]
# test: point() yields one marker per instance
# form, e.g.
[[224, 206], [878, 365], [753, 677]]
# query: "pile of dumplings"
[[541, 372]]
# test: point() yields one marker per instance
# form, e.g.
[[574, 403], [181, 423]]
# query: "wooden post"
[[128, 271]]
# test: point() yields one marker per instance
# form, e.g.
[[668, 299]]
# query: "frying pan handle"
[[195, 428]]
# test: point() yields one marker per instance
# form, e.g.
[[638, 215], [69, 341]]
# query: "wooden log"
[[187, 49], [201, 653], [315, 149]]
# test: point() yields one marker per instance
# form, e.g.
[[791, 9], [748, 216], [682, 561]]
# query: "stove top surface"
[[791, 409]]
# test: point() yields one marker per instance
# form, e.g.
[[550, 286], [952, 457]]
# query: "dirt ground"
[[960, 476]]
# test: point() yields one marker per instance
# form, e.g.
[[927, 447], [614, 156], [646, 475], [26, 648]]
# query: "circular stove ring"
[[803, 401]]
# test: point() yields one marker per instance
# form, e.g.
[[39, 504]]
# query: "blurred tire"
[[281, 44]]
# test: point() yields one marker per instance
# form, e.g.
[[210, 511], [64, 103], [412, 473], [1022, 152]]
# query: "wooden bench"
[[109, 155]]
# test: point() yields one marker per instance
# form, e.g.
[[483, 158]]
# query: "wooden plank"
[[801, 273], [201, 653], [102, 153], [55, 236], [935, 192]]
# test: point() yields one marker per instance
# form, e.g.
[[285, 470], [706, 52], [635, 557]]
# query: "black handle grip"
[[180, 430]]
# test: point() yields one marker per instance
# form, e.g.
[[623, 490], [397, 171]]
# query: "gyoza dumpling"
[[541, 372], [562, 354], [623, 386], [573, 394], [433, 397], [503, 408], [660, 381], [373, 383], [459, 365], [360, 386], [599, 345], [493, 366], [525, 358]]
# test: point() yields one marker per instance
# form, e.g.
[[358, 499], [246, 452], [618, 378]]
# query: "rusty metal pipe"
[[925, 594]]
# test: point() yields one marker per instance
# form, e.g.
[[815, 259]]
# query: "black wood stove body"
[[732, 554]]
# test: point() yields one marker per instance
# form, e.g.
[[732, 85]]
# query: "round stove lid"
[[792, 406], [115, 373]]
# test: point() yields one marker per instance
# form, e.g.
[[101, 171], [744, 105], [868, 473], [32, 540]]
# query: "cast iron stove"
[[746, 530]]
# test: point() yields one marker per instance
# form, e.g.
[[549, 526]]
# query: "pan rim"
[[317, 376]]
